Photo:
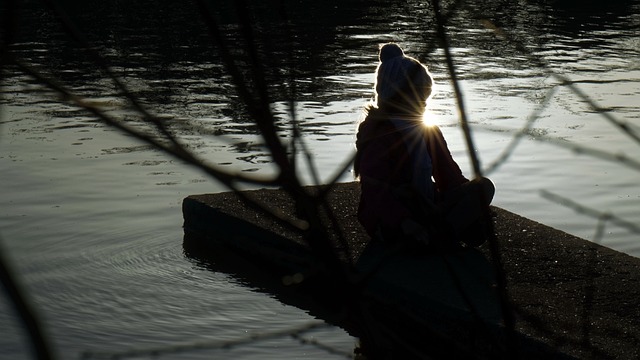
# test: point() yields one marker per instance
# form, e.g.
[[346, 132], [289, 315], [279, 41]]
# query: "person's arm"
[[446, 172]]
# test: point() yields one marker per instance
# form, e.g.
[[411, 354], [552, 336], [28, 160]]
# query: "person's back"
[[398, 156]]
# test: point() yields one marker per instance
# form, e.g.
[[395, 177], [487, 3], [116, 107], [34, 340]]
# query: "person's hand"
[[411, 228]]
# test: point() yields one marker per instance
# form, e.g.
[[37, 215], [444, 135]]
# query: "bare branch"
[[620, 158], [596, 214], [509, 149], [206, 345], [23, 307]]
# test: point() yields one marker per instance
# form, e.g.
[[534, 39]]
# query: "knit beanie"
[[401, 80]]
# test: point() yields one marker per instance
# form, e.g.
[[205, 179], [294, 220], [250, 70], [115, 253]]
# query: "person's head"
[[403, 84]]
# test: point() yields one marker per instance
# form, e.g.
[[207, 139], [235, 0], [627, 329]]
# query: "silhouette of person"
[[412, 190]]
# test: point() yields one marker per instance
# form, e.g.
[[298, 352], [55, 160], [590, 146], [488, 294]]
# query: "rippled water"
[[91, 218]]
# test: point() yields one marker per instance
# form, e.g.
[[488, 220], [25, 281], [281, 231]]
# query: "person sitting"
[[412, 190]]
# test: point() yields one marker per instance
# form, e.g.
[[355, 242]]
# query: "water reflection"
[[318, 53], [322, 52], [171, 60]]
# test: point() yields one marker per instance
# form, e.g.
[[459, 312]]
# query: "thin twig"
[[564, 80], [495, 251], [25, 310], [79, 37], [560, 142], [205, 345], [596, 214], [511, 147], [228, 179]]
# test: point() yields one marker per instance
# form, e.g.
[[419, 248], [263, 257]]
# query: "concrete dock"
[[570, 298]]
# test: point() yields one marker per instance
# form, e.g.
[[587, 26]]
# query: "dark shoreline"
[[573, 295]]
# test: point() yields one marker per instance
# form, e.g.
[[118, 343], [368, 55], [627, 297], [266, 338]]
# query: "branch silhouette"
[[600, 216], [294, 332], [252, 88], [501, 278], [517, 135]]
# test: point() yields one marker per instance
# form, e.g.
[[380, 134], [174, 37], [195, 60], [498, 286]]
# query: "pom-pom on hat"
[[403, 84]]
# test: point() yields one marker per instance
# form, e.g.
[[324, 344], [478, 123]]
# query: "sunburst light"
[[429, 118]]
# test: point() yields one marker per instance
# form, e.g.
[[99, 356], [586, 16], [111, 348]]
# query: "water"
[[91, 218]]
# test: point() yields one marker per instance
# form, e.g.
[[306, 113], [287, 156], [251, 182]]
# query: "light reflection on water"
[[92, 218]]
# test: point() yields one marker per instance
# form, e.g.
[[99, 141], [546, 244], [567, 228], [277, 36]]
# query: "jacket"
[[386, 163]]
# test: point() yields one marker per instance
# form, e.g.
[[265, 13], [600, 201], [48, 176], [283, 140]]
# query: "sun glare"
[[429, 118]]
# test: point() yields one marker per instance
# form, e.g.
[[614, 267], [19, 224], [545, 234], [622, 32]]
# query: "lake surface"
[[91, 218]]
